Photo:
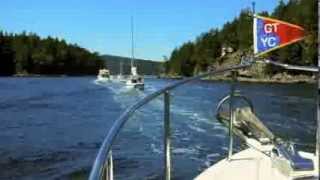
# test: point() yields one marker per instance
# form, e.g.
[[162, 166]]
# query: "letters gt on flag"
[[270, 34]]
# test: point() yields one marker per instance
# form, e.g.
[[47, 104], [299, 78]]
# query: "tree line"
[[145, 67], [196, 56], [27, 53]]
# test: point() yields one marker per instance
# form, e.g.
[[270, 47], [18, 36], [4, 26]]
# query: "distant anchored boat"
[[120, 77], [134, 80], [103, 76]]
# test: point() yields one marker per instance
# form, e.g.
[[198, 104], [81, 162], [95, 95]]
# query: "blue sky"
[[104, 25]]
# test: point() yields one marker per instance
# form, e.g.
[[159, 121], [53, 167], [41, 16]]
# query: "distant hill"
[[28, 53], [145, 67]]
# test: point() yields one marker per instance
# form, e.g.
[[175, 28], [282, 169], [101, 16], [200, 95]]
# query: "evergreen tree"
[[194, 57], [28, 53]]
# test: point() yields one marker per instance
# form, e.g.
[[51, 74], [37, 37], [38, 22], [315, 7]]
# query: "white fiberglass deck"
[[248, 164]]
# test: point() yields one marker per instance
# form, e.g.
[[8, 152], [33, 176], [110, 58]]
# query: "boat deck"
[[248, 164]]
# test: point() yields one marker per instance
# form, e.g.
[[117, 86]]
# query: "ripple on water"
[[74, 108]]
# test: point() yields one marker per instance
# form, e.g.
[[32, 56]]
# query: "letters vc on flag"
[[270, 34]]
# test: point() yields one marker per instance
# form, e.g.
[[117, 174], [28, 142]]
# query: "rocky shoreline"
[[267, 80], [281, 78]]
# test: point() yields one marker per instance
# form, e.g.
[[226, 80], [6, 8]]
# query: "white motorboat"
[[103, 75]]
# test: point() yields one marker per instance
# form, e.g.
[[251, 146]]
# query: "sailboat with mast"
[[119, 77], [134, 80]]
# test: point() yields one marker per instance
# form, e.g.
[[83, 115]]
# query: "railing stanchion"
[[167, 158], [105, 174], [108, 169], [110, 166], [232, 93]]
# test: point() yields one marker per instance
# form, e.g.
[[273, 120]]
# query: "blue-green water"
[[51, 128]]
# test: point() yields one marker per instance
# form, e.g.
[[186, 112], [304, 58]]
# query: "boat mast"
[[253, 7], [318, 104], [120, 72], [254, 25], [132, 44]]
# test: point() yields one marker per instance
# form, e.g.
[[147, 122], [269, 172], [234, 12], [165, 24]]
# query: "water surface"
[[51, 128]]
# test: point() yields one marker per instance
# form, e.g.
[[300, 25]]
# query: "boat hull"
[[251, 164], [102, 79], [135, 85]]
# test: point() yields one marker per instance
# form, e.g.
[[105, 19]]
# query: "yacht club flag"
[[270, 34]]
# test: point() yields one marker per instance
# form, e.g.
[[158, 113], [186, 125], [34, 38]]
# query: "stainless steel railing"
[[230, 97], [103, 164]]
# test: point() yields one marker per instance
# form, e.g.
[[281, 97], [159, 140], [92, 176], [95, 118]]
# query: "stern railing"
[[103, 164]]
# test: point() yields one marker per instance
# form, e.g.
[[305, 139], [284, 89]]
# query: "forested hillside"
[[196, 56], [29, 54], [145, 67]]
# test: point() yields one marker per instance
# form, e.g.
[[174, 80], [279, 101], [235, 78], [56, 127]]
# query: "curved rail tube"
[[103, 154]]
